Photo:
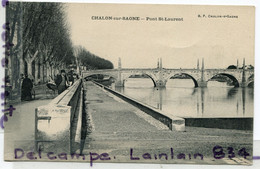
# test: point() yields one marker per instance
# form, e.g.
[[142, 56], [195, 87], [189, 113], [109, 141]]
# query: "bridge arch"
[[128, 76], [233, 78], [190, 76], [251, 84], [251, 77], [104, 74], [251, 81]]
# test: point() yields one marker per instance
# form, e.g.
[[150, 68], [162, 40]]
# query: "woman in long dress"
[[27, 86]]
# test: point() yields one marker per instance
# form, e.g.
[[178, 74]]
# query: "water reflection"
[[187, 101], [202, 100], [244, 100], [160, 102], [232, 93]]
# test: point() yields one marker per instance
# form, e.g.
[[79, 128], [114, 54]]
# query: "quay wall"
[[172, 122]]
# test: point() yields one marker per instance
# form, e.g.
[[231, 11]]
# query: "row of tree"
[[235, 67], [90, 60], [41, 43], [40, 38]]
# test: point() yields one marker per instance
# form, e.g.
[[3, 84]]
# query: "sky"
[[139, 44]]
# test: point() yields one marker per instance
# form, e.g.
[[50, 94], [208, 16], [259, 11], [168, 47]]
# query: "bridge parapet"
[[55, 124], [160, 76]]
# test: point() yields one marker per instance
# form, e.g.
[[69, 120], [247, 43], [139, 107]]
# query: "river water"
[[180, 98]]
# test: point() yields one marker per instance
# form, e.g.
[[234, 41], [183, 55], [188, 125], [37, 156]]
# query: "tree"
[[250, 67], [13, 36], [232, 67], [41, 43], [77, 50], [91, 61], [41, 39]]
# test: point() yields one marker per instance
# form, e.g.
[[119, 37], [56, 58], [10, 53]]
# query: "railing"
[[59, 122], [104, 70], [164, 69]]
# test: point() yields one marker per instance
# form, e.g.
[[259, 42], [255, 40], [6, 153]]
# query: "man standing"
[[61, 81]]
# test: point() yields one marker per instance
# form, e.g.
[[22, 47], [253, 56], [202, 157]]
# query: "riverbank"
[[118, 128]]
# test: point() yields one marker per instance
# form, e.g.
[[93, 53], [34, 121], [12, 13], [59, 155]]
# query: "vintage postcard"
[[129, 83]]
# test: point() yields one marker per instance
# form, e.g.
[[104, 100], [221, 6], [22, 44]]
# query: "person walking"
[[62, 81]]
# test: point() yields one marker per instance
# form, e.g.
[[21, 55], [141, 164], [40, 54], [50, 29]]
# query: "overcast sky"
[[140, 43]]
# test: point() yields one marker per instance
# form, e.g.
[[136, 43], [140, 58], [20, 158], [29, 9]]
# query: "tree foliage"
[[39, 30], [41, 42], [91, 61], [45, 30], [235, 67], [231, 67]]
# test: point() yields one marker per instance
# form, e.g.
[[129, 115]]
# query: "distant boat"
[[106, 78], [221, 80]]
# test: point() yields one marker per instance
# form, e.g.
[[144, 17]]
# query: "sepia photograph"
[[129, 83]]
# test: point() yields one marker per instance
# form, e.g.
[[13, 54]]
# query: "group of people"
[[61, 83], [63, 80]]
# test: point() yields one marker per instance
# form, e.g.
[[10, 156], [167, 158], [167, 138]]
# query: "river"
[[182, 99]]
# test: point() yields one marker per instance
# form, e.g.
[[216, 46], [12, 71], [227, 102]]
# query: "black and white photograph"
[[129, 83]]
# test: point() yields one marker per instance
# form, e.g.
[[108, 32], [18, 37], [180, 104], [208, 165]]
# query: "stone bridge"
[[200, 76]]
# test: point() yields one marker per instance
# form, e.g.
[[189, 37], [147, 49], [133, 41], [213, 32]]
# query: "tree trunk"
[[14, 72], [21, 65], [41, 68], [55, 71], [29, 68], [36, 72], [29, 61], [77, 64], [51, 74], [43, 72], [40, 72], [9, 69], [47, 70]]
